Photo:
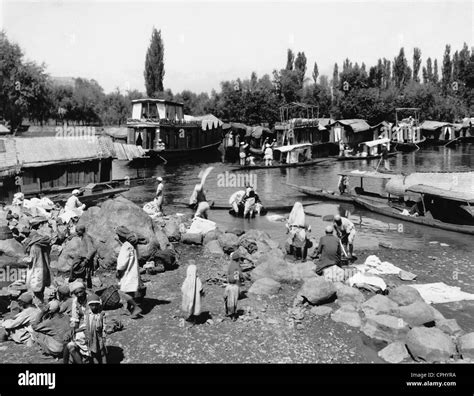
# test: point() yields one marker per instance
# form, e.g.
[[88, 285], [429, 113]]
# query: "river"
[[372, 230]]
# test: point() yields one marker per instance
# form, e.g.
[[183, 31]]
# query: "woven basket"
[[110, 298]]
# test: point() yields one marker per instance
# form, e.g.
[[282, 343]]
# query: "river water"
[[372, 229]]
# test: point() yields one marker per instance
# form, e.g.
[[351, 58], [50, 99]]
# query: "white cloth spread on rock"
[[438, 293], [373, 265], [360, 280]]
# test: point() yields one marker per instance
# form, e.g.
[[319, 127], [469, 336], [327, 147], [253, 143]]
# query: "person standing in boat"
[[345, 230], [268, 155], [159, 195]]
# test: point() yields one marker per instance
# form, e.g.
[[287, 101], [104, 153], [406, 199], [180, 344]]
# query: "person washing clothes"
[[329, 250], [297, 242], [346, 232], [198, 198]]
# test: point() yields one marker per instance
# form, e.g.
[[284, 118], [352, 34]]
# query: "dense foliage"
[[354, 91]]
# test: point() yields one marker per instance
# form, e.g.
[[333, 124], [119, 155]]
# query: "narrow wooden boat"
[[294, 165], [383, 208], [410, 146], [271, 207], [361, 158], [321, 194]]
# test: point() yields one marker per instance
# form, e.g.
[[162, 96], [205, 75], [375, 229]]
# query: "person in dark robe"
[[329, 250]]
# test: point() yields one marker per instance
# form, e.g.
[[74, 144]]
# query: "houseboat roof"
[[8, 159], [462, 196], [357, 125], [42, 151], [291, 147], [433, 125], [153, 100], [376, 142], [324, 122], [468, 121], [208, 121]]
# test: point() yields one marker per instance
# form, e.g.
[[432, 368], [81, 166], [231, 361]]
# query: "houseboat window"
[[188, 141], [167, 140], [176, 141]]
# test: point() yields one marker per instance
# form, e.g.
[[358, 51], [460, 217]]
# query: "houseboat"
[[438, 133], [407, 134], [49, 165], [299, 124], [160, 127], [348, 134]]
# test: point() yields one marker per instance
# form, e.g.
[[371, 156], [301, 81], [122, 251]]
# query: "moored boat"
[[163, 131], [385, 209], [322, 194]]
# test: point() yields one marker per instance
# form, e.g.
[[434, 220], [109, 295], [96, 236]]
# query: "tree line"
[[443, 91]]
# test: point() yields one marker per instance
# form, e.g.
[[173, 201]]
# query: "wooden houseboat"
[[350, 133], [407, 134], [438, 133], [162, 130], [51, 165]]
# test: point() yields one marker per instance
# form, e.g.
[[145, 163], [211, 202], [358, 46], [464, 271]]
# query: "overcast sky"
[[207, 42]]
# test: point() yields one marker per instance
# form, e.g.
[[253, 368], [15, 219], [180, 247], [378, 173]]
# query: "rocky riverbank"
[[287, 312]]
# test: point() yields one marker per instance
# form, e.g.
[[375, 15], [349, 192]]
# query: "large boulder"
[[347, 315], [430, 344], [101, 224], [213, 247], [348, 296], [317, 290], [416, 314], [171, 230], [11, 248], [163, 240], [229, 242], [396, 352], [71, 251], [385, 327], [191, 238], [378, 304], [276, 269], [466, 346], [449, 326], [211, 236], [303, 271], [405, 295], [265, 286]]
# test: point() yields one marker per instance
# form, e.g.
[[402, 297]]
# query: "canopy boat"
[[407, 135], [290, 156], [370, 150], [385, 208]]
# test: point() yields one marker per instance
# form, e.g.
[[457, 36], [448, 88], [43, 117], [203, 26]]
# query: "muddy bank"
[[269, 328]]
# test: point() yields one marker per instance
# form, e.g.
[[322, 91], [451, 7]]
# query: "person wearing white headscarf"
[[297, 230], [235, 199], [192, 292]]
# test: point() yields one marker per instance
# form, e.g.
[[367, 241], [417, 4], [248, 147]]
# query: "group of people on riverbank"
[[246, 157], [332, 249]]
